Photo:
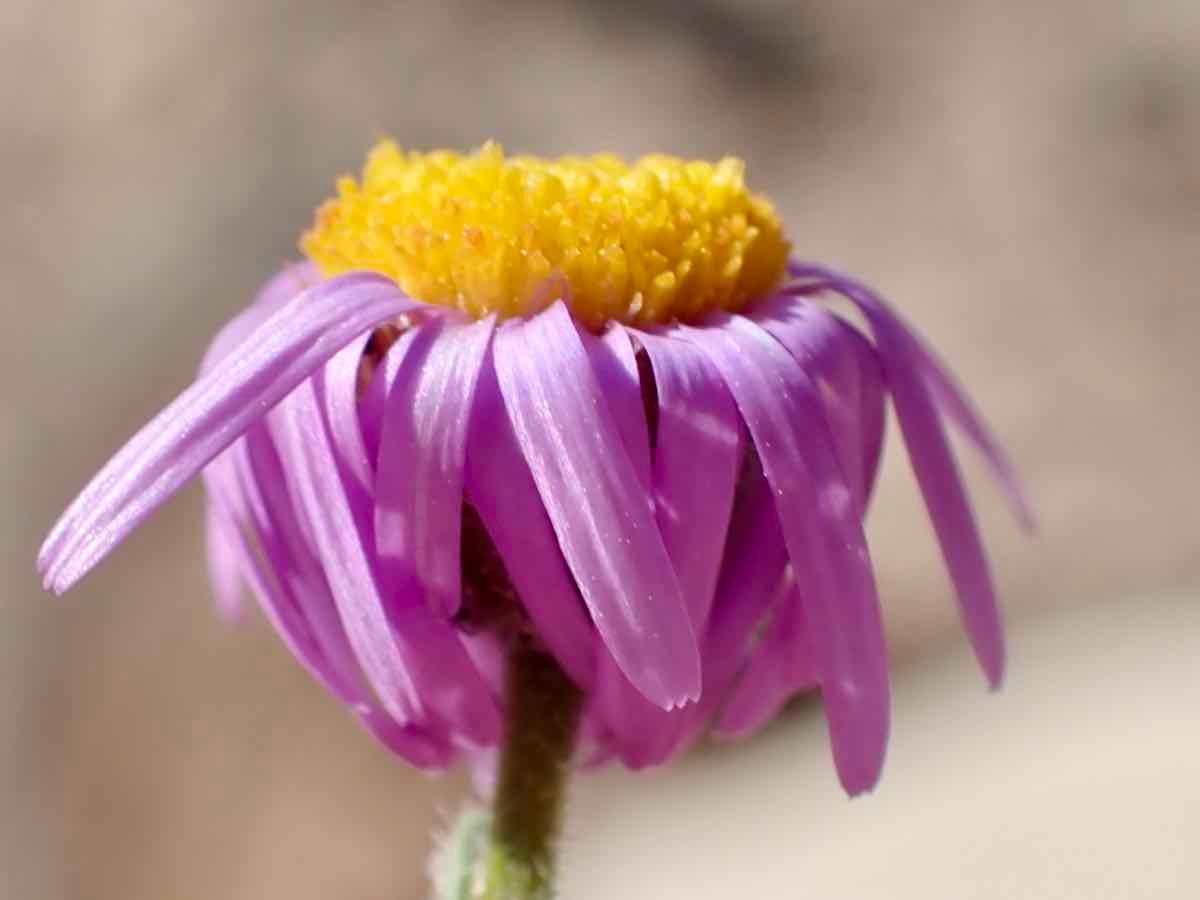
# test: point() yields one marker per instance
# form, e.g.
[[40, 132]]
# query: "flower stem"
[[542, 718]]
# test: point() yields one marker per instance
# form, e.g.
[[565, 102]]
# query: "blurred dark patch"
[[1145, 131], [751, 45]]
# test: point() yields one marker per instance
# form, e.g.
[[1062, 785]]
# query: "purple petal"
[[872, 399], [415, 663], [821, 524], [290, 549], [414, 743], [593, 495], [615, 367], [453, 689], [751, 572], [953, 401], [948, 393], [419, 483], [504, 494], [821, 344], [344, 558], [937, 474], [780, 667], [373, 403], [337, 384], [281, 288], [210, 414], [630, 717], [248, 480], [696, 459], [224, 563], [268, 580]]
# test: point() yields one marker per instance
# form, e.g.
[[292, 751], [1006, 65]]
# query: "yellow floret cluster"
[[653, 241]]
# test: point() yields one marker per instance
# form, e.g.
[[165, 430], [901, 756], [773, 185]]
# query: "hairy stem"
[[542, 717]]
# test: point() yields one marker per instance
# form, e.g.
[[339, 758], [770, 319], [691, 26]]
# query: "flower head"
[[580, 403]]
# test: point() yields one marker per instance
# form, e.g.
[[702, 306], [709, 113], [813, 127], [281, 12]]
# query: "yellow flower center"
[[661, 239]]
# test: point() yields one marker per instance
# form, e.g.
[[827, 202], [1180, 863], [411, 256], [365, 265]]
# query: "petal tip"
[[859, 772]]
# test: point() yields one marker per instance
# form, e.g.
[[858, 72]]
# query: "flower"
[[587, 403]]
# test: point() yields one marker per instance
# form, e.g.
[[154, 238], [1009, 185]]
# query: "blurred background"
[[1024, 181]]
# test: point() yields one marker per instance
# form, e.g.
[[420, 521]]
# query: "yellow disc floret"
[[661, 239]]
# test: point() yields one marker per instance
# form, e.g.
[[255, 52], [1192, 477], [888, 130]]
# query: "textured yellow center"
[[657, 240]]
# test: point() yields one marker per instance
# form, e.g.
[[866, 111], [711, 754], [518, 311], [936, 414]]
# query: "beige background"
[[1022, 178]]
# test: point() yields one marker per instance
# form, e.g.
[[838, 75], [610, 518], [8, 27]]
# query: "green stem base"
[[510, 855]]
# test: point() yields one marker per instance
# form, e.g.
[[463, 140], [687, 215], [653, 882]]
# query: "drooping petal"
[[819, 342], [222, 558], [592, 493], [373, 403], [696, 459], [344, 558], [629, 716], [267, 577], [277, 594], [936, 472], [453, 691], [953, 401], [872, 403], [752, 572], [615, 367], [280, 288], [948, 393], [780, 667], [337, 385], [414, 743], [422, 453], [821, 524], [502, 491], [223, 508], [292, 548], [210, 414]]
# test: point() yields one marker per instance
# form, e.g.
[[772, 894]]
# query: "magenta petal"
[[752, 570], [279, 289], [947, 392], [373, 403], [780, 667], [294, 278], [413, 743], [210, 414], [344, 558], [632, 719], [291, 550], [454, 692], [937, 474], [337, 384], [223, 559], [506, 498], [452, 689], [593, 495], [267, 574], [285, 541], [953, 401], [615, 367], [821, 344], [821, 524], [696, 460], [872, 400], [422, 453]]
